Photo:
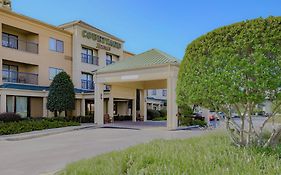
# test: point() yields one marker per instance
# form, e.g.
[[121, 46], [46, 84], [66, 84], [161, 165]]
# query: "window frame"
[[154, 92], [8, 35], [56, 45]]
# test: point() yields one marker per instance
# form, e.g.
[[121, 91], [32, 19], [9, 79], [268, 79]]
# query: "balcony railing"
[[21, 45], [87, 84], [108, 62], [19, 77], [90, 59]]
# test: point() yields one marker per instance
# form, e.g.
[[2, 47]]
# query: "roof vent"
[[7, 4]]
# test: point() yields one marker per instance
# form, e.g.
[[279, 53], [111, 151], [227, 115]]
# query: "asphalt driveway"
[[51, 153]]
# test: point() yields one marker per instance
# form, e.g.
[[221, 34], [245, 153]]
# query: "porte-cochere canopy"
[[153, 69]]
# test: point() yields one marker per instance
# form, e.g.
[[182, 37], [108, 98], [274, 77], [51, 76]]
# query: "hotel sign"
[[101, 39]]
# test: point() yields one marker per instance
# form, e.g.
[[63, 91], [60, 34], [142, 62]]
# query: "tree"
[[236, 67], [61, 95]]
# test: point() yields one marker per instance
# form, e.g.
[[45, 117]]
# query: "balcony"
[[87, 84], [19, 39], [21, 45], [9, 76], [89, 59]]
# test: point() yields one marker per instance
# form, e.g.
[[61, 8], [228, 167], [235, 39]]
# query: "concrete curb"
[[43, 133]]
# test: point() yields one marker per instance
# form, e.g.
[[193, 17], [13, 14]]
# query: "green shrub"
[[160, 118], [185, 121], [163, 113], [33, 125], [151, 114], [199, 122], [186, 110], [10, 117], [189, 121]]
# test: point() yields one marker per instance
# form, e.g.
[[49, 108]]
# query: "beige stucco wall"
[[40, 33], [36, 106], [78, 42]]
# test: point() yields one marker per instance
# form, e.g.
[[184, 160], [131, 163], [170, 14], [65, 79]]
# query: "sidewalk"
[[46, 132]]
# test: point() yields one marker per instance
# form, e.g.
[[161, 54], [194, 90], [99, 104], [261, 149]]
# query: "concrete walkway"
[[51, 153]]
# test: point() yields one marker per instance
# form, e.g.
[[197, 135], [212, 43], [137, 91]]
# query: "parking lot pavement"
[[51, 153]]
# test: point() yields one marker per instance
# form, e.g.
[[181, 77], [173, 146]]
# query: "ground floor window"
[[19, 105]]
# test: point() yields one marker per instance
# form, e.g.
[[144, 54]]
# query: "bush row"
[[33, 125], [189, 121], [12, 117], [156, 114]]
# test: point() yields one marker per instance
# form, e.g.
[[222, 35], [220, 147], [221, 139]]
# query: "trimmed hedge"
[[33, 125], [151, 114], [10, 117], [163, 113], [189, 121]]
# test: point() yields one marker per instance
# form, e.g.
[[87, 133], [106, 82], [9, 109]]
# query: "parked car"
[[198, 116], [235, 115]]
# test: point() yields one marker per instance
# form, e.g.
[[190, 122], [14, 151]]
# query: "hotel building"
[[32, 53]]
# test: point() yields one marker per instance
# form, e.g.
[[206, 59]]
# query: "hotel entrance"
[[131, 78]]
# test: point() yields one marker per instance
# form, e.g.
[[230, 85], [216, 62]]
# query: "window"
[[154, 92], [9, 40], [108, 59], [56, 45], [89, 56], [87, 81], [9, 73], [53, 72], [17, 104], [164, 93]]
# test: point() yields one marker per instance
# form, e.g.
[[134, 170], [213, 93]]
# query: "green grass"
[[277, 119], [211, 154]]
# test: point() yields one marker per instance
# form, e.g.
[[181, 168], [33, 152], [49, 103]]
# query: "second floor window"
[[56, 45], [89, 56], [108, 59], [53, 72], [154, 92], [9, 40]]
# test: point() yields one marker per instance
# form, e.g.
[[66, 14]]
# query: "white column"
[[45, 110], [143, 105], [77, 108], [83, 107], [134, 110], [99, 114], [172, 108], [3, 102], [110, 107]]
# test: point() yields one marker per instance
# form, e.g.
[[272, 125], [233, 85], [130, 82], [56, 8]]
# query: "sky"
[[168, 25]]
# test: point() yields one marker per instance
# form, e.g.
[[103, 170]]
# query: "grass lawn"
[[277, 118], [211, 154]]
